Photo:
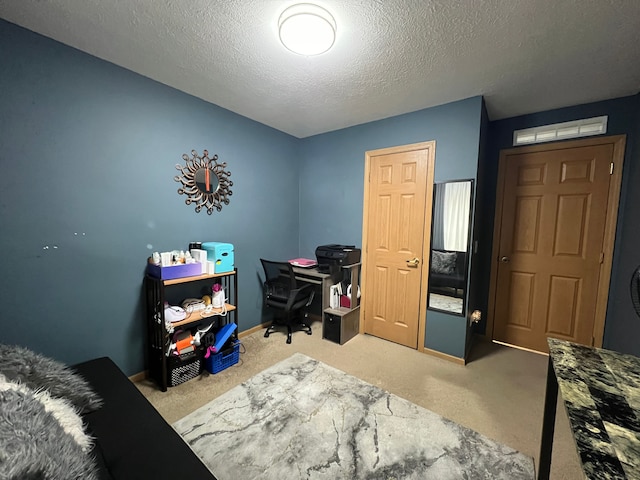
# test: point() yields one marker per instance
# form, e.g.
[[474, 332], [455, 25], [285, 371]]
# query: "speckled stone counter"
[[601, 393]]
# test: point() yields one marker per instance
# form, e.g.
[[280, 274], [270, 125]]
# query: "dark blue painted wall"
[[477, 279], [87, 159], [332, 183], [622, 327]]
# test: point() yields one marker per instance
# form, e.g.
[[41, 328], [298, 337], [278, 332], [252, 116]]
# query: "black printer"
[[333, 256]]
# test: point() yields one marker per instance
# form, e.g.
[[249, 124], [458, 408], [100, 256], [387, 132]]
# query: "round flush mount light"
[[307, 29]]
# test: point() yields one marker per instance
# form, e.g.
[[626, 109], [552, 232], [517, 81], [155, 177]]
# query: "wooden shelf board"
[[341, 311], [195, 316]]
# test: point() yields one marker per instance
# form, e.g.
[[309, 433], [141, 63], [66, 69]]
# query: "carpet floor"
[[301, 418]]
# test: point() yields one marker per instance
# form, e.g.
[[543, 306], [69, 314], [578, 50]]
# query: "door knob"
[[413, 262], [504, 259]]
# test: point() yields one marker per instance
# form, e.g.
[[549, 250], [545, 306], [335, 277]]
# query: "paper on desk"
[[303, 262]]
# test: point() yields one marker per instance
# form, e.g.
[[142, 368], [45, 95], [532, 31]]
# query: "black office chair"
[[282, 293]]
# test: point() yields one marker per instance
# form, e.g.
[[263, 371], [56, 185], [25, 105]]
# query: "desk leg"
[[548, 423]]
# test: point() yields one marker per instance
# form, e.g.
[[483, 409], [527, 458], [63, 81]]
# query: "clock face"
[[206, 180]]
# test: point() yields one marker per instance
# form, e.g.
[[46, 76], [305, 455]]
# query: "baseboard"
[[138, 377], [444, 356], [244, 333], [520, 348]]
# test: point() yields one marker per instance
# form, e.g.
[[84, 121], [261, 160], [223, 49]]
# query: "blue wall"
[[332, 183], [622, 327], [87, 156], [87, 160]]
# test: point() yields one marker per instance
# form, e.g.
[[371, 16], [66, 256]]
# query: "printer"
[[333, 256]]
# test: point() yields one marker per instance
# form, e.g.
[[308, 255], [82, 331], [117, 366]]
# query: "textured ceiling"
[[390, 56]]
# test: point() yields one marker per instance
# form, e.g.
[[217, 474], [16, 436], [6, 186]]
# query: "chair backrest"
[[280, 278]]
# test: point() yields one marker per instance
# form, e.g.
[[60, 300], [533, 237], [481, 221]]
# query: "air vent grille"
[[561, 131]]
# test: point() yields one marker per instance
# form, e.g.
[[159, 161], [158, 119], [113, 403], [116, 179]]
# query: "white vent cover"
[[561, 131]]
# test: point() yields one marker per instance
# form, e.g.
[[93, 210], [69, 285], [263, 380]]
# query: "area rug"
[[302, 419]]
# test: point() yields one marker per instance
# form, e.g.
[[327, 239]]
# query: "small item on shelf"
[[173, 313], [345, 300], [334, 296], [200, 256], [165, 259], [207, 340], [193, 304], [184, 343], [200, 334], [178, 257], [223, 335], [217, 299]]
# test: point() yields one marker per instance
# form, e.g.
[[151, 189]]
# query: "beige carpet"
[[499, 393]]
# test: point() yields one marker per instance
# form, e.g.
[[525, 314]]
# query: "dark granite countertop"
[[601, 392]]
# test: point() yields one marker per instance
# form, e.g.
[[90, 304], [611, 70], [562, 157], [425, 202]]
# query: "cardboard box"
[[174, 271]]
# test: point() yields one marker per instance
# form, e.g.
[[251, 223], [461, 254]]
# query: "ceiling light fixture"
[[307, 29]]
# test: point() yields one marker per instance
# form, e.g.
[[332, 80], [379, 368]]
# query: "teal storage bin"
[[221, 254]]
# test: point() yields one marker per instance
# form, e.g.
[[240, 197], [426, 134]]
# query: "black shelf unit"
[[157, 292]]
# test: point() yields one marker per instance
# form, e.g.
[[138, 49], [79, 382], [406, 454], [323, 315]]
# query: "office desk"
[[601, 393], [324, 280]]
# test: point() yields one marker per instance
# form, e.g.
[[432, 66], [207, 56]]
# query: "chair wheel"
[[288, 339], [309, 332], [266, 334]]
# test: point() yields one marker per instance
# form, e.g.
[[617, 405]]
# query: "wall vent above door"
[[561, 131]]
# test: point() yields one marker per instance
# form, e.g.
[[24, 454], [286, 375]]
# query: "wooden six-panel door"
[[397, 219], [551, 244]]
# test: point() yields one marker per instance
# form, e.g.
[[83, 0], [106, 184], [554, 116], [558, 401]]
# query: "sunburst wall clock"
[[204, 181]]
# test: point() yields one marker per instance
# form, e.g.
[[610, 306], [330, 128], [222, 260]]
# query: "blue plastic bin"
[[224, 359]]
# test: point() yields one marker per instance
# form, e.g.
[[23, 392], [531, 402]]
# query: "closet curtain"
[[457, 202]]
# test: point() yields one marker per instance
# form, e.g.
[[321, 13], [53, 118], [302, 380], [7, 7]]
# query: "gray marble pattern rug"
[[302, 419]]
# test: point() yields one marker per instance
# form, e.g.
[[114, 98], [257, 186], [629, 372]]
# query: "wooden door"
[[558, 202], [397, 219]]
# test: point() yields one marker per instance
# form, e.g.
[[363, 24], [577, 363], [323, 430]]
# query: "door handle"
[[413, 262], [504, 259]]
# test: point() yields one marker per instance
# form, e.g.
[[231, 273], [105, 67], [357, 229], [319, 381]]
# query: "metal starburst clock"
[[204, 181]]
